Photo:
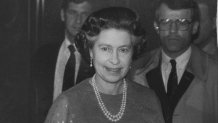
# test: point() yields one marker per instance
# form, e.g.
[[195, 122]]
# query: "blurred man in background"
[[57, 67], [207, 37]]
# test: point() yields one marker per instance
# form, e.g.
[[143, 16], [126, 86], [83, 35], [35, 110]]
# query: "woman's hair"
[[107, 18]]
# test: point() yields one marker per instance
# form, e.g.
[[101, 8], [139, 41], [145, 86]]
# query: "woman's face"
[[112, 55]]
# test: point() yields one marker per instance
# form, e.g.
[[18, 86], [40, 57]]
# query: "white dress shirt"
[[181, 62], [62, 59]]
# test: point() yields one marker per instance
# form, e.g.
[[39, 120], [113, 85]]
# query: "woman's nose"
[[115, 58]]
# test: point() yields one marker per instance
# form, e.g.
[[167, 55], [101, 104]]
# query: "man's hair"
[[65, 3], [177, 5]]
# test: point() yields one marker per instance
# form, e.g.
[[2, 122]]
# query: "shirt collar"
[[67, 43], [181, 61]]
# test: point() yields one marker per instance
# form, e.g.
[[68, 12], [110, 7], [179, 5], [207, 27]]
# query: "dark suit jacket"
[[43, 66]]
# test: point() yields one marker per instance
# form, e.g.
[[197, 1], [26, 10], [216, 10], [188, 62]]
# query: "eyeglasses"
[[181, 24]]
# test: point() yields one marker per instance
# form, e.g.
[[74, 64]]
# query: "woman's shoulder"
[[140, 89], [68, 101], [78, 90], [144, 96]]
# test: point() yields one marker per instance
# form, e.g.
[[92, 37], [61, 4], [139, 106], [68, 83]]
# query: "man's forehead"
[[166, 12], [80, 6]]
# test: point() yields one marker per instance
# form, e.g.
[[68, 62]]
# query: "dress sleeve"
[[58, 112]]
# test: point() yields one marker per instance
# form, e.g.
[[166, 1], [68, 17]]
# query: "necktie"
[[68, 80], [172, 81]]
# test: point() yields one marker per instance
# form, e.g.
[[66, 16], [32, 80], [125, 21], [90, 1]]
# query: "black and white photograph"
[[106, 61]]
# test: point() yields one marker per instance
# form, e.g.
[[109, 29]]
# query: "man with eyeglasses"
[[183, 77]]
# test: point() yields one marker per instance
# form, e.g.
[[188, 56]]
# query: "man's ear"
[[156, 27], [62, 15], [195, 27]]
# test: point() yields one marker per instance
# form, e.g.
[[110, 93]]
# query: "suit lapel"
[[155, 81], [181, 89], [194, 69]]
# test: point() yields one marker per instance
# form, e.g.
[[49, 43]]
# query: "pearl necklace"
[[111, 117]]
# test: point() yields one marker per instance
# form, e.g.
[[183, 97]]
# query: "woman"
[[108, 39]]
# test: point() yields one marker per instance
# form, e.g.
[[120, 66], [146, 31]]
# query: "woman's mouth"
[[113, 70]]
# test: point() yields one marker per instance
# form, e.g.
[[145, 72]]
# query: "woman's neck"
[[111, 88]]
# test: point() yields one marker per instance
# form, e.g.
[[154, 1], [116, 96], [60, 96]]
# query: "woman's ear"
[[195, 27]]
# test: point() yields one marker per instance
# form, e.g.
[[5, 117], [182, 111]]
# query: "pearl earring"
[[91, 65]]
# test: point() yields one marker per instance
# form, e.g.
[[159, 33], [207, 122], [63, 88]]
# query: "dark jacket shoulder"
[[141, 90], [145, 59]]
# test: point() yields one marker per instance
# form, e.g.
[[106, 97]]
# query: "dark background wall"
[[14, 61]]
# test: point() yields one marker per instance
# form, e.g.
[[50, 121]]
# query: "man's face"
[[74, 16], [207, 25], [176, 35]]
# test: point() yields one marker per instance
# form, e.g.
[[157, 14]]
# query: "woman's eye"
[[104, 48], [124, 50]]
